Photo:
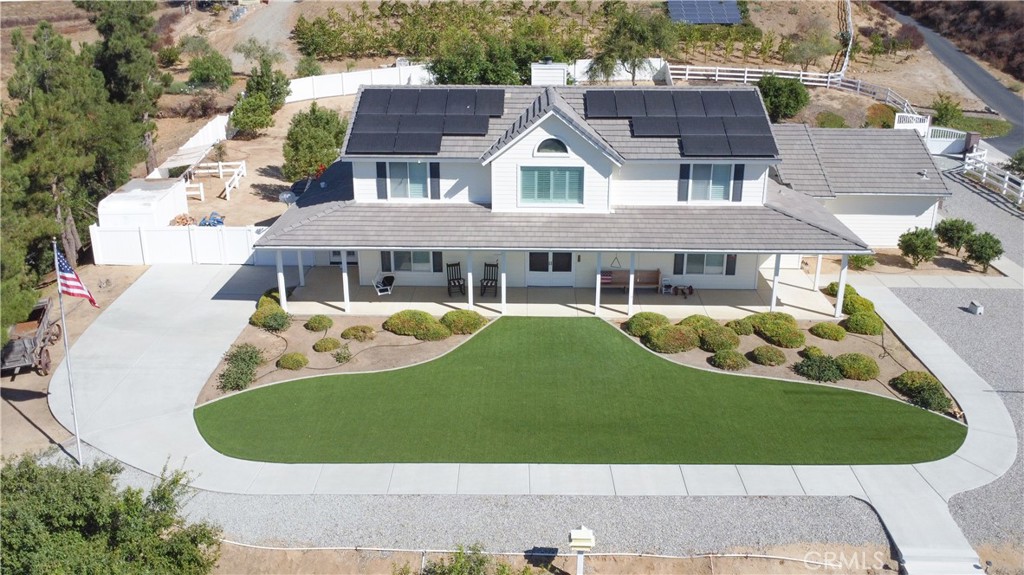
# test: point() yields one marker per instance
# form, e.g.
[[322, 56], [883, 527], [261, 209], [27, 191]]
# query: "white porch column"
[[504, 264], [469, 278], [280, 280], [344, 281], [302, 272], [632, 276], [842, 286], [775, 281], [817, 274], [597, 287]]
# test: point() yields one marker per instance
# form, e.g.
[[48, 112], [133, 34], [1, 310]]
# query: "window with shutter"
[[711, 182], [551, 185], [408, 180], [704, 264]]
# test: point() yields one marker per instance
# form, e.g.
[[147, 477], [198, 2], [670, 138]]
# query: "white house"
[[561, 186]]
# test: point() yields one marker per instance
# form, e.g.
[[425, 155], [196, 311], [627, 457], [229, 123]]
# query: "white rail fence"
[[237, 172], [993, 177], [174, 245]]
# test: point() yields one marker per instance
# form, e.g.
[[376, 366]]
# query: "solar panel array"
[[707, 123], [704, 11], [390, 121]]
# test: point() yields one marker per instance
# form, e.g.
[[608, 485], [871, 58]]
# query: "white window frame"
[[427, 267], [537, 151], [728, 168], [408, 168], [566, 203], [704, 265]]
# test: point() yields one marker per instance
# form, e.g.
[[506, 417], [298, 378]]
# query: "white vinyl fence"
[[940, 141], [174, 245], [348, 83]]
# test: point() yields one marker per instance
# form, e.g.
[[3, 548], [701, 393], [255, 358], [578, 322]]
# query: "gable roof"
[[857, 162]]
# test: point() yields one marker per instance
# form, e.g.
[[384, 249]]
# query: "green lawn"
[[546, 390], [987, 127]]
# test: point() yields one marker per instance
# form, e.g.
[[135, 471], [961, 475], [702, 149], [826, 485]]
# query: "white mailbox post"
[[581, 540]]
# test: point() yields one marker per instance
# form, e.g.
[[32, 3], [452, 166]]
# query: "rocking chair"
[[490, 279], [384, 283], [455, 281]]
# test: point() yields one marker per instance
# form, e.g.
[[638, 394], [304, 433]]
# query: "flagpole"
[[67, 353]]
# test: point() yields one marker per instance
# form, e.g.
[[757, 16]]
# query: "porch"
[[323, 293]]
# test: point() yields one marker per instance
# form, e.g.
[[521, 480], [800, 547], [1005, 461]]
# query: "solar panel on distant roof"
[[490, 102], [753, 145], [748, 126], [375, 124], [701, 127], [466, 125], [600, 104], [659, 103], [418, 143], [371, 143], [403, 102], [432, 102], [697, 146], [654, 127], [688, 104], [461, 102], [421, 124], [746, 103], [717, 103], [704, 11], [374, 101], [630, 103]]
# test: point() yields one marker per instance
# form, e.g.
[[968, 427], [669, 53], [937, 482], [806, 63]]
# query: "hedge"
[[463, 321], [318, 323], [730, 360], [293, 361], [643, 322], [671, 339], [828, 330], [718, 338], [864, 323], [922, 389], [832, 289], [327, 344], [819, 368], [768, 355], [359, 333], [698, 323], [857, 366]]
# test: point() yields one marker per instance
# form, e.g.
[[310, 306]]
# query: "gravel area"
[[990, 212], [991, 345]]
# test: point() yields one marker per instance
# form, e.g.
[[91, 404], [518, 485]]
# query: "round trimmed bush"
[[671, 339], [741, 326], [643, 322], [359, 333], [435, 332], [327, 344], [271, 296], [730, 360], [922, 389], [293, 361], [857, 304], [771, 317], [857, 366], [781, 335], [832, 289], [463, 321], [819, 368], [864, 323], [828, 330], [811, 351], [768, 355], [318, 323], [718, 338], [409, 322], [698, 323], [271, 318]]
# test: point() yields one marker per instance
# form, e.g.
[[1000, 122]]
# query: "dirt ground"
[[890, 261]]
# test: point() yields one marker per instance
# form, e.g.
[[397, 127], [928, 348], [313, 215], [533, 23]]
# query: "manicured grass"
[[987, 127], [547, 390]]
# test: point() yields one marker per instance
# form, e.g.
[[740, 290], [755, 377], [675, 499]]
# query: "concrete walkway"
[[140, 366]]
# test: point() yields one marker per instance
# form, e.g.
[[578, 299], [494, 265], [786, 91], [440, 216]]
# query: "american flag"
[[68, 281]]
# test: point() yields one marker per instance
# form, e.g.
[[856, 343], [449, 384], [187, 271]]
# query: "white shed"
[[153, 202]]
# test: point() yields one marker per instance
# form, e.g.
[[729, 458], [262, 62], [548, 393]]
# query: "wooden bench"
[[641, 279]]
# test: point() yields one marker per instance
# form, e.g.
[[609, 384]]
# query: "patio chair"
[[490, 279], [383, 283], [455, 281]]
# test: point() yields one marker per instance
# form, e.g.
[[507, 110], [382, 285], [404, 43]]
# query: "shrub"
[[293, 361], [272, 84], [670, 339], [463, 321], [252, 114], [954, 232], [819, 368], [982, 249], [861, 261], [908, 36], [409, 322], [343, 355], [359, 333], [947, 110], [166, 79], [783, 97], [643, 322], [318, 323], [168, 56], [857, 366], [308, 66], [919, 245], [210, 68], [771, 317], [242, 361], [718, 338], [699, 323], [327, 344], [271, 296], [857, 304], [768, 355], [730, 360], [828, 330], [830, 120], [434, 332], [832, 289], [741, 326], [811, 351], [922, 389], [202, 105], [778, 329], [864, 323], [271, 318], [880, 116]]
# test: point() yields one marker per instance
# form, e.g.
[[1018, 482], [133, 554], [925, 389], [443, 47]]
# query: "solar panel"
[[403, 102], [461, 102], [374, 101], [375, 124], [688, 104], [746, 103], [748, 126], [371, 143], [717, 103], [654, 127], [659, 103], [421, 124], [432, 102], [466, 125], [600, 104], [704, 11], [696, 146], [701, 127], [418, 144], [630, 103], [490, 103], [753, 146]]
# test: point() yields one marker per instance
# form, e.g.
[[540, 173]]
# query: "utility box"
[[976, 308], [549, 73], [581, 539], [153, 202]]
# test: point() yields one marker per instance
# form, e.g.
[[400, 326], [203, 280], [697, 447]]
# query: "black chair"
[[490, 279], [455, 281]]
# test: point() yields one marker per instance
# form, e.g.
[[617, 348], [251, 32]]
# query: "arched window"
[[552, 146]]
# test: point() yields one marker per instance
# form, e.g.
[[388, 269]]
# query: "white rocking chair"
[[384, 283]]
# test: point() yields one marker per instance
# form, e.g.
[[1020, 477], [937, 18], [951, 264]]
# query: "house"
[[561, 186]]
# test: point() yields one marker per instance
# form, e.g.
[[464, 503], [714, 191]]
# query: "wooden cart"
[[29, 340]]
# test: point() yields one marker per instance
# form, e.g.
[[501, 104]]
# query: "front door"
[[550, 269]]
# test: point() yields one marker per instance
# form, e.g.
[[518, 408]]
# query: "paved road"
[[997, 96]]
